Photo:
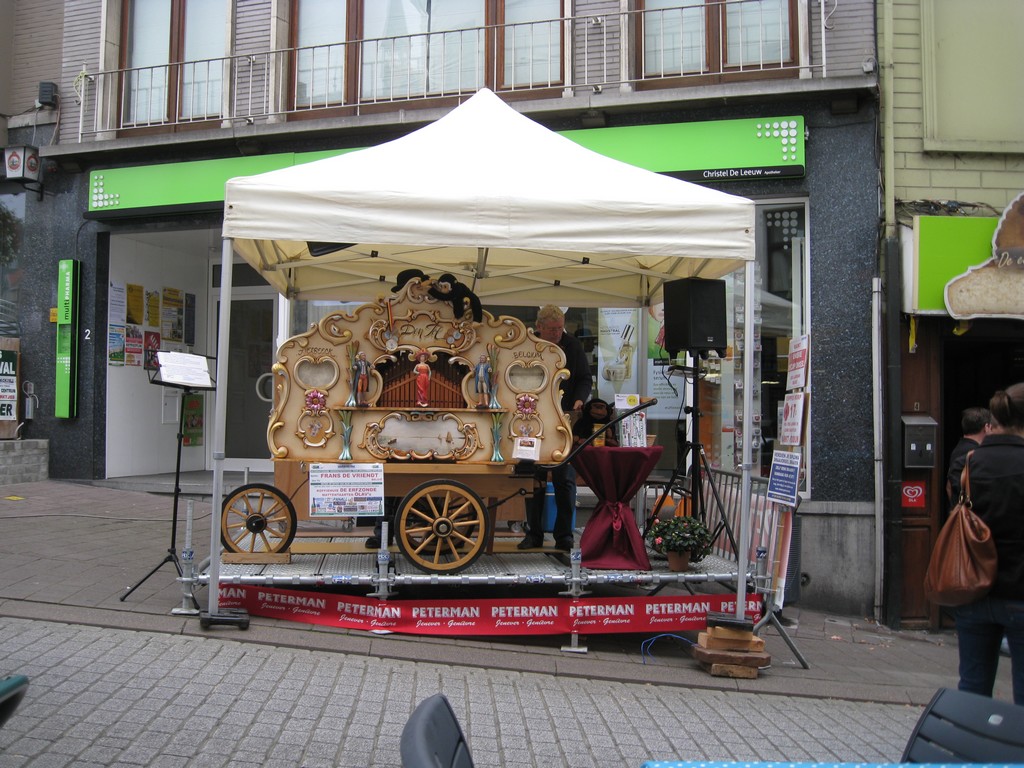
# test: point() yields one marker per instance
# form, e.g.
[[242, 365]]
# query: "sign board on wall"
[[935, 251], [8, 388], [65, 391], [716, 150], [784, 478], [994, 288]]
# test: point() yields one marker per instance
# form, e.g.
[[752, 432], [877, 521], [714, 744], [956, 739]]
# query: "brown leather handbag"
[[962, 567]]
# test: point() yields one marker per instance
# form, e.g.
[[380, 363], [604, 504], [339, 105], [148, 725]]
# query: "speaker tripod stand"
[[698, 470]]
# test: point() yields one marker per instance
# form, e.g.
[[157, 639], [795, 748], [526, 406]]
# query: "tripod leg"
[[789, 641], [170, 557]]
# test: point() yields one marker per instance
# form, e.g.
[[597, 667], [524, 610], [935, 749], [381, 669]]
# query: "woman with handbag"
[[997, 491]]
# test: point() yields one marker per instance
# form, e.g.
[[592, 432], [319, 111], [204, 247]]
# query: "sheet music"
[[184, 369]]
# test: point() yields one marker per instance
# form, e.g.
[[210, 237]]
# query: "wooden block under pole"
[[753, 643], [740, 658], [731, 670], [728, 633]]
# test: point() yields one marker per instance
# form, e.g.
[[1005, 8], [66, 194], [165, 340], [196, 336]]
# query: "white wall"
[[137, 442]]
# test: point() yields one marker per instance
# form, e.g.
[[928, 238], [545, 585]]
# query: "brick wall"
[[24, 461]]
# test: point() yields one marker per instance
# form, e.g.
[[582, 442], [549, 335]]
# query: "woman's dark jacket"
[[997, 492]]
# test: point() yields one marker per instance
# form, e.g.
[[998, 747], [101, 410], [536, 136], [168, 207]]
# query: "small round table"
[[611, 539]]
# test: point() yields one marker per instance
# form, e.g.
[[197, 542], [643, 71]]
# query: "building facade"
[[952, 164], [158, 103]]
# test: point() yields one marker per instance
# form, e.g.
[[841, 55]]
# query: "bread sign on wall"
[[995, 288]]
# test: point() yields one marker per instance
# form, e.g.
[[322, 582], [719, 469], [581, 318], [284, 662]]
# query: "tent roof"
[[519, 213]]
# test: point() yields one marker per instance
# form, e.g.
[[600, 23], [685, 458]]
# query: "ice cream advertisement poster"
[[617, 339]]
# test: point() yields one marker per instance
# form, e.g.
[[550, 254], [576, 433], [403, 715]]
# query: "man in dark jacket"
[[576, 390], [975, 423]]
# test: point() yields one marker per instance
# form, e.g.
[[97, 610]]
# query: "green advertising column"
[[66, 375]]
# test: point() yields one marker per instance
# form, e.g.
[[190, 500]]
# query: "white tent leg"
[[213, 614]]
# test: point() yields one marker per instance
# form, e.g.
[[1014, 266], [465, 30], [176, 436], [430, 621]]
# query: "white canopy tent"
[[520, 214]]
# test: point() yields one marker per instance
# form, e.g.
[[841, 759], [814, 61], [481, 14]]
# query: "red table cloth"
[[611, 539]]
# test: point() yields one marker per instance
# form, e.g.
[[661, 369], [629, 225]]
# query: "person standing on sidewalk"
[[997, 495], [975, 424], [550, 326]]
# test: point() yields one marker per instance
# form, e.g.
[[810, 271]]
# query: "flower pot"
[[678, 561]]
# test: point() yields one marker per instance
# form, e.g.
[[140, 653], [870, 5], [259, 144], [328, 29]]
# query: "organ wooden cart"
[[459, 412]]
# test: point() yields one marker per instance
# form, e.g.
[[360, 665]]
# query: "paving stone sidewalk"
[[127, 682], [116, 697]]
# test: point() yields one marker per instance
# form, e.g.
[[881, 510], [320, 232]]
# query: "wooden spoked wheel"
[[257, 518], [442, 526]]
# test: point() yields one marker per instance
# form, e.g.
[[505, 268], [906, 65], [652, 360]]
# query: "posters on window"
[[796, 377], [115, 344], [133, 345], [8, 385], [664, 383], [116, 315], [617, 339], [190, 320], [172, 315], [135, 304], [153, 309], [784, 478], [151, 344], [627, 339], [791, 432], [192, 419]]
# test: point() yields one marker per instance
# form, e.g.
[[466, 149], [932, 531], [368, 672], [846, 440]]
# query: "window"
[[674, 38], [756, 33], [532, 47], [693, 37], [962, 112], [422, 47], [320, 58], [172, 51], [351, 51], [778, 310]]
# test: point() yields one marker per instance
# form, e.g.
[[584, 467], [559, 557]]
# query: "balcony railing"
[[741, 39]]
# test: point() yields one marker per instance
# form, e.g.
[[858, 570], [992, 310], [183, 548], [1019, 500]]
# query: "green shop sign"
[[723, 150]]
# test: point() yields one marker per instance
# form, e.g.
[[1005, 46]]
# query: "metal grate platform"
[[361, 569]]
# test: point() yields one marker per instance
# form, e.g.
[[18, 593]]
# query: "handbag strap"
[[965, 481]]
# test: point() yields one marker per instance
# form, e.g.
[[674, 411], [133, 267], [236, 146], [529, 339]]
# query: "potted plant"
[[683, 539]]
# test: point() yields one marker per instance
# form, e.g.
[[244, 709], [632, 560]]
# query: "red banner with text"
[[519, 616]]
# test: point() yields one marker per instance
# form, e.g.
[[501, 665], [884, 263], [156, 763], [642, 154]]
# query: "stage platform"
[[349, 563]]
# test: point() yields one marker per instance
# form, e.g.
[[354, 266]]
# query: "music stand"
[[189, 373]]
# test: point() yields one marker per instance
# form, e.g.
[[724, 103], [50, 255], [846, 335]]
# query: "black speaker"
[[695, 316]]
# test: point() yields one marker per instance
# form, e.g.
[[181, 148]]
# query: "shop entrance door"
[[250, 351]]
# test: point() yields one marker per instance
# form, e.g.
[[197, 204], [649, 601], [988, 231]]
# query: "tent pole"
[[743, 556], [213, 614]]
